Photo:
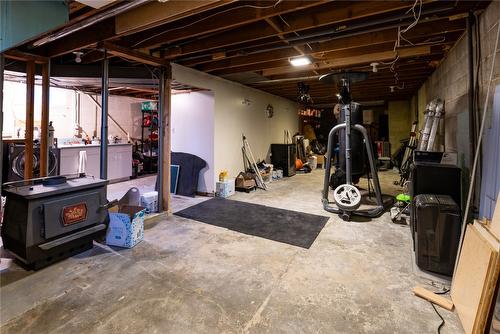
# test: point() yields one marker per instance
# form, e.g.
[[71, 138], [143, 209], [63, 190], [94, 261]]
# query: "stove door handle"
[[108, 205]]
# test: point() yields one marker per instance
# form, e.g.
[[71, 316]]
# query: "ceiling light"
[[300, 61], [78, 56]]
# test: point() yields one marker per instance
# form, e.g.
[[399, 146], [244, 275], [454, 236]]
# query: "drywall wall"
[[399, 122], [192, 131], [125, 110], [233, 118]]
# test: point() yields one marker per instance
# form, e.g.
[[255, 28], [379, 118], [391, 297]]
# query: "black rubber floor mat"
[[290, 227]]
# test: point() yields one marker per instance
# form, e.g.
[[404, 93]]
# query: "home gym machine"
[[347, 197]]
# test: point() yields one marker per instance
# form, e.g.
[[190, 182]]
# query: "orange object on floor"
[[298, 164]]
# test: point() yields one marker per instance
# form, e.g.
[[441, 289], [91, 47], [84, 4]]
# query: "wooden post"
[[165, 99], [30, 110], [44, 137]]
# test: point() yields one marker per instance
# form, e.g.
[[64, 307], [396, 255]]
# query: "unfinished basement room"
[[253, 166]]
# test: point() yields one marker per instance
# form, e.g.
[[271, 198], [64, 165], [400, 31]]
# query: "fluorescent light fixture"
[[300, 61]]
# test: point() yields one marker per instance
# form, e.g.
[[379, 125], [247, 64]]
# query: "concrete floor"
[[190, 277]]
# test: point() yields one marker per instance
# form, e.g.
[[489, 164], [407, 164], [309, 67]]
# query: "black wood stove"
[[53, 218]]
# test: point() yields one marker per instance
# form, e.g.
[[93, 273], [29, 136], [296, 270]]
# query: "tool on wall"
[[248, 156], [346, 196]]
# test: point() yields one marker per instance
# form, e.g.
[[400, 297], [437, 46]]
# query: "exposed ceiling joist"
[[238, 15], [133, 55], [337, 12], [355, 60]]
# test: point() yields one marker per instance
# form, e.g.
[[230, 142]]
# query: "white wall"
[[233, 118], [125, 110], [62, 106], [193, 131]]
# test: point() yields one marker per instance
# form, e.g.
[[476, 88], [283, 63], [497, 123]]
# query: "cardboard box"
[[126, 227], [245, 180], [225, 188], [320, 161]]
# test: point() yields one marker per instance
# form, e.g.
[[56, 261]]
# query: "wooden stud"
[[30, 111], [44, 137]]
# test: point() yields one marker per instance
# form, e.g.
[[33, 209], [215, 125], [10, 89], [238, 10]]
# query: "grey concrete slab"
[[190, 277]]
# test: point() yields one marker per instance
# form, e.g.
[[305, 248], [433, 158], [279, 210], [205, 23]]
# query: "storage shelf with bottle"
[[149, 136], [311, 116]]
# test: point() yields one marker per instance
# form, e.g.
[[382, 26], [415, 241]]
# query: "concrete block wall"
[[450, 83], [399, 122]]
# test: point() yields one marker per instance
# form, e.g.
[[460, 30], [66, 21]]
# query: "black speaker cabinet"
[[283, 156], [437, 235]]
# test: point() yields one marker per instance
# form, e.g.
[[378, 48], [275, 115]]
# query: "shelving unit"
[[149, 137]]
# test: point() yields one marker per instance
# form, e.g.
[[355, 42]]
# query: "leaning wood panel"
[[476, 269], [30, 110], [491, 281]]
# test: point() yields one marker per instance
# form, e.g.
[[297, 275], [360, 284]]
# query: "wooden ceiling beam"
[[133, 55], [86, 37], [335, 12], [25, 56], [236, 17], [156, 13], [426, 29], [354, 60], [137, 19], [267, 68]]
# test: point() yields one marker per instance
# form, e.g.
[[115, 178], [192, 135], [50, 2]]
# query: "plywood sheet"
[[477, 272]]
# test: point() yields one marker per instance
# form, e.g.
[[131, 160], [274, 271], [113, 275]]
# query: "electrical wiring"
[[442, 292], [400, 37], [205, 18]]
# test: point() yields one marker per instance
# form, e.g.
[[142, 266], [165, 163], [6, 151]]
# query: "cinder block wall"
[[399, 122], [450, 83]]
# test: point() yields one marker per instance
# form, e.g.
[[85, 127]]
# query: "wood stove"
[[53, 218]]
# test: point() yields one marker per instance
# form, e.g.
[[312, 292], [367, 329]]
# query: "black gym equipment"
[[346, 196]]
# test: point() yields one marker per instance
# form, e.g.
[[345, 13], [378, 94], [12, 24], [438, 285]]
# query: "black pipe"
[[104, 118], [470, 76]]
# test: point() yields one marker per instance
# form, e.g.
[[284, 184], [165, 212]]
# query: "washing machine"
[[14, 162]]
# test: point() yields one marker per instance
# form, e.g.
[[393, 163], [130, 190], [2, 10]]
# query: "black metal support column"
[[104, 118], [470, 78], [161, 135], [2, 65]]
